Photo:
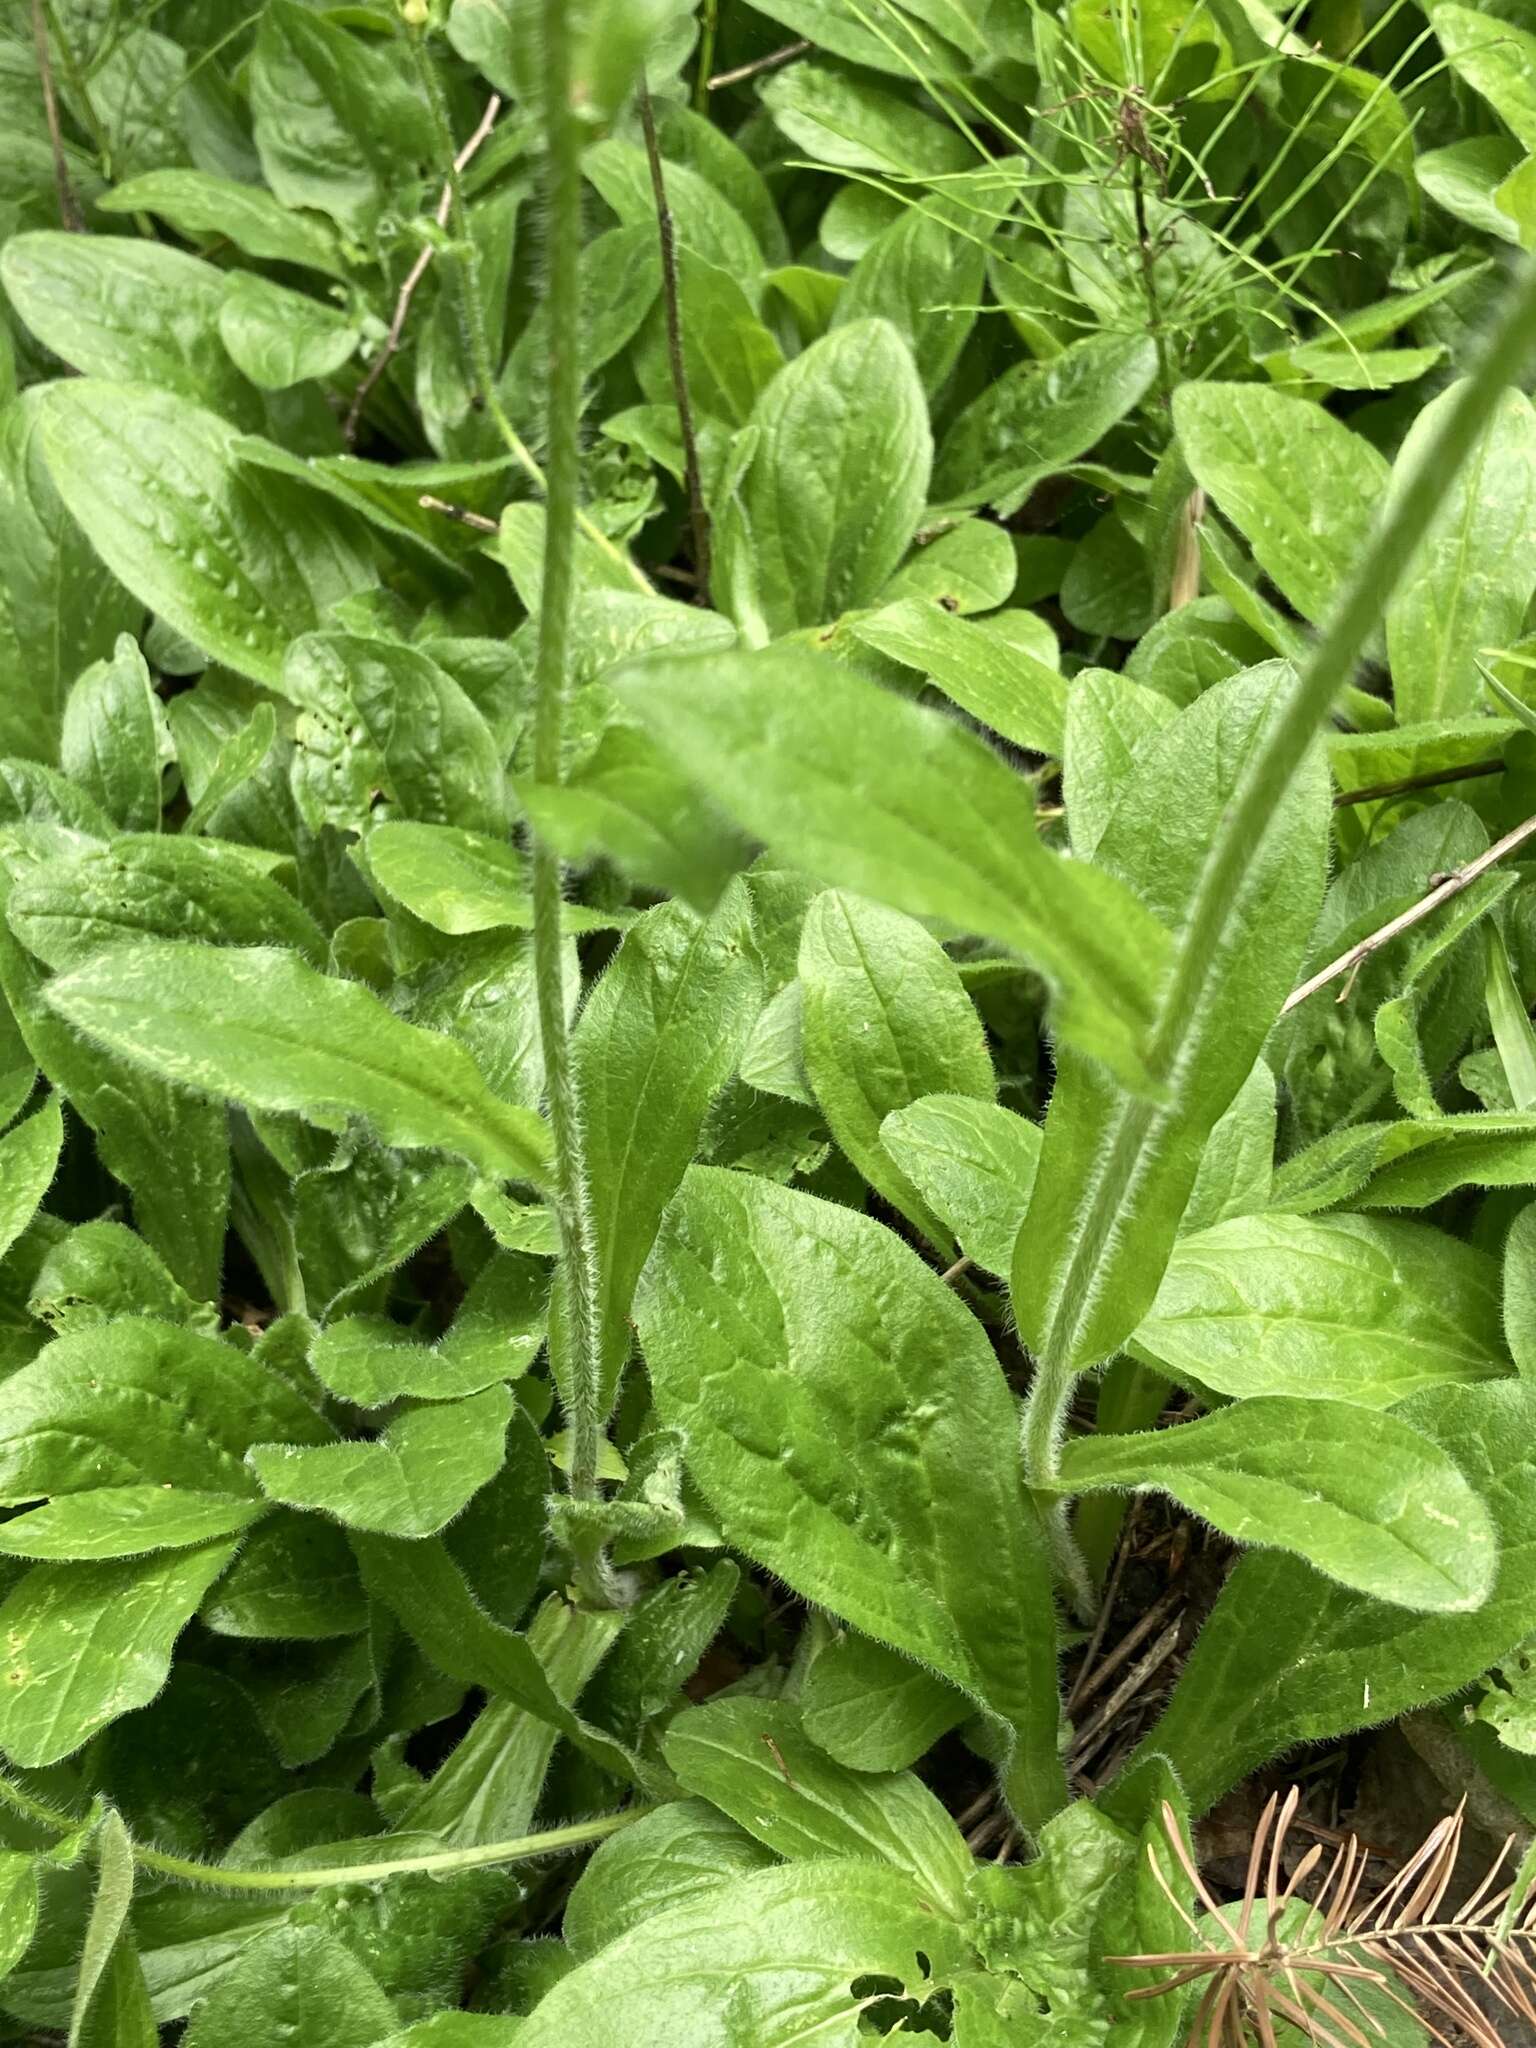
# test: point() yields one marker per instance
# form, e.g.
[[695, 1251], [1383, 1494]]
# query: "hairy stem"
[[697, 515], [1266, 775], [581, 1338], [215, 1877], [709, 29]]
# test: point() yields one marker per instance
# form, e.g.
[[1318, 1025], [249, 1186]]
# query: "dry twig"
[[1443, 892], [69, 206], [1261, 1962], [769, 63], [414, 275]]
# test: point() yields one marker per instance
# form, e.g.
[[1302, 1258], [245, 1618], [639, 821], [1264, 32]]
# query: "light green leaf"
[[729, 356], [1109, 718], [111, 2005], [155, 887], [141, 1403], [841, 119], [18, 1907], [114, 742], [118, 306], [1339, 1308], [1300, 487], [202, 203], [262, 1028], [460, 882], [279, 337], [1376, 1505], [926, 277], [1117, 1170], [847, 1421], [658, 1039], [412, 1481], [881, 796], [295, 1983], [873, 1710], [752, 1759], [1510, 1021], [970, 567], [974, 1164], [1351, 1661], [1468, 587], [239, 561], [371, 1361], [1039, 417], [885, 1019], [835, 487], [1001, 686], [681, 1851], [1520, 1290], [770, 1959], [86, 1643], [29, 1158], [125, 1521], [1497, 58]]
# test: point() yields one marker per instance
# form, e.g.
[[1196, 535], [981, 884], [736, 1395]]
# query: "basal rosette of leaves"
[[767, 1101]]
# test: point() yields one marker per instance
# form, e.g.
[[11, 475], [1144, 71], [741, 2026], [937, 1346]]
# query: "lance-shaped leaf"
[[884, 1019], [111, 2005], [1339, 1308], [260, 1027], [1351, 1661], [659, 1037], [1117, 1169], [848, 1423], [974, 1164], [295, 1983], [877, 794], [1373, 1504], [29, 1158]]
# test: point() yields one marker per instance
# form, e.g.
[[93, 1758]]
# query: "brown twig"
[[459, 514], [1106, 1609], [769, 63], [1432, 779], [698, 517], [952, 1273], [415, 274], [1452, 886], [1099, 1722], [69, 207], [1090, 1682]]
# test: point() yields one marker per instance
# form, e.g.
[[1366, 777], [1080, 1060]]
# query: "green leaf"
[[29, 1158], [881, 796], [1299, 486], [752, 1759], [239, 561], [1469, 585], [1039, 417], [1511, 1022], [885, 1019], [1497, 58], [60, 608], [279, 337], [295, 1983], [769, 1959], [1001, 686], [974, 1165], [1109, 718], [336, 122], [1117, 1170], [371, 1361], [1350, 1661], [125, 1521], [121, 307], [846, 121], [1338, 1308], [1376, 1506], [834, 489], [658, 1039], [18, 1907], [847, 1422], [729, 356], [111, 2005], [969, 567], [155, 887], [86, 1643], [681, 1851], [1520, 1290], [295, 1580], [141, 1403], [925, 276], [412, 1481], [264, 1029], [460, 882], [114, 741], [873, 1710], [202, 203]]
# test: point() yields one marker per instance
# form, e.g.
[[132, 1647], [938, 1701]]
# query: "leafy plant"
[[765, 770]]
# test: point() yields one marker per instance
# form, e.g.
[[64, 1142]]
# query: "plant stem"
[[697, 515], [1266, 775], [69, 206], [215, 1877], [709, 29], [581, 1339], [472, 317], [1149, 280]]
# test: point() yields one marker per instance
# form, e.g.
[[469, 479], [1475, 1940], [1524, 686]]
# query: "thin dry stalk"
[[1259, 1962], [414, 275], [69, 207]]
